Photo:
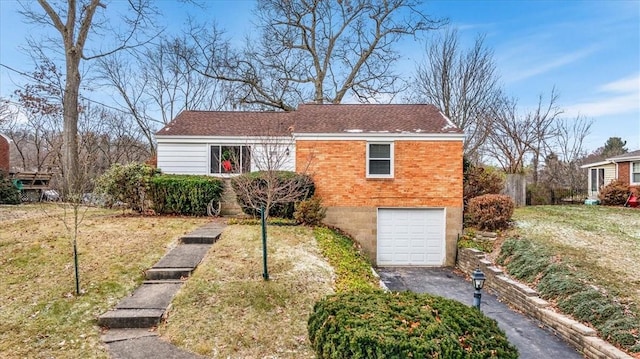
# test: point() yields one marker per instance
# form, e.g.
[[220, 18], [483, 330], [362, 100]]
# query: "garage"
[[411, 237]]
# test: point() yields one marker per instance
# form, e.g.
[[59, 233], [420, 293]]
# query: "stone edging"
[[525, 299]]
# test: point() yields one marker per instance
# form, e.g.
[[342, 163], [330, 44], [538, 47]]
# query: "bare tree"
[[508, 142], [271, 154], [317, 50], [462, 83], [156, 84], [76, 21], [7, 111], [542, 121], [569, 147], [516, 137]]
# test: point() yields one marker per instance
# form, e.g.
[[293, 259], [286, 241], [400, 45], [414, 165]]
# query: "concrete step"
[[183, 256], [163, 281], [150, 296], [131, 318], [168, 273], [208, 234], [142, 309]]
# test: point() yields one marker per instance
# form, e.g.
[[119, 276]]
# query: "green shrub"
[[403, 325], [310, 212], [184, 194], [126, 185], [490, 211], [277, 190], [531, 262], [478, 181], [614, 194], [353, 270], [523, 259], [481, 245], [9, 193]]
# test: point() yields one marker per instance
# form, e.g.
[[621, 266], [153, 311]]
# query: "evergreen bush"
[[126, 186], [531, 262], [490, 211], [403, 325], [9, 193], [184, 194]]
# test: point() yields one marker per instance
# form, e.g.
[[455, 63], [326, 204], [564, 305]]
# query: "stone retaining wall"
[[526, 300]]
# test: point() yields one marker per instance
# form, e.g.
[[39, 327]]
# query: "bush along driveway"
[[586, 260]]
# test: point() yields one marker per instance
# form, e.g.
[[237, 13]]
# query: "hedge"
[[287, 188], [9, 193], [403, 325], [184, 194]]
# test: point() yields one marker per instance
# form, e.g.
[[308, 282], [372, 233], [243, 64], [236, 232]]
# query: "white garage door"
[[411, 237]]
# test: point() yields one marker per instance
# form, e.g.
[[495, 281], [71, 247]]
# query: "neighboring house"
[[624, 167], [389, 175], [4, 153]]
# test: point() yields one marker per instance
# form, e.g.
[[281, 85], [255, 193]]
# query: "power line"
[[22, 73]]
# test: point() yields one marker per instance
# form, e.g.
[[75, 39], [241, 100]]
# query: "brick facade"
[[624, 172], [426, 174], [624, 175], [4, 154]]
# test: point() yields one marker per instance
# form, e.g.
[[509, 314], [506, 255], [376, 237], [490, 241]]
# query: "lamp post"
[[477, 278]]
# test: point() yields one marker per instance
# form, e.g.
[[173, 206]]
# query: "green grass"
[[352, 269], [586, 260], [40, 315], [226, 309]]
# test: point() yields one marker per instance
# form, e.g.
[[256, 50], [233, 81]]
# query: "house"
[[624, 167], [389, 175], [4, 154]]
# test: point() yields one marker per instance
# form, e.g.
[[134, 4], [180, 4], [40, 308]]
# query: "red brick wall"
[[624, 172], [4, 154], [426, 174]]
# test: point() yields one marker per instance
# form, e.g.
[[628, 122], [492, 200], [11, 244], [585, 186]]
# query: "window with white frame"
[[380, 159], [635, 172], [230, 159]]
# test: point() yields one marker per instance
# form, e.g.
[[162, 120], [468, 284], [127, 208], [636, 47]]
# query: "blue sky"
[[588, 50]]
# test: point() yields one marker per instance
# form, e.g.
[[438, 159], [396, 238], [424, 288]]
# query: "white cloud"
[[627, 84], [538, 66], [617, 97]]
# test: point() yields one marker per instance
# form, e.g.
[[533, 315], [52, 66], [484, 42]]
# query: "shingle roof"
[[316, 119], [629, 156], [227, 123]]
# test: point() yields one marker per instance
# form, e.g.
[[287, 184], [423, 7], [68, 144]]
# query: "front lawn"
[[40, 317], [226, 309]]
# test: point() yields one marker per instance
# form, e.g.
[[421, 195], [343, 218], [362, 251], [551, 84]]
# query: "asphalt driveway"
[[533, 340]]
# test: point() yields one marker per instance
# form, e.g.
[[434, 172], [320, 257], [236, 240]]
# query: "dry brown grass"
[[602, 241], [227, 310], [39, 315]]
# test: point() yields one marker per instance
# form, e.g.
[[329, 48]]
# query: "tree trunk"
[[70, 168]]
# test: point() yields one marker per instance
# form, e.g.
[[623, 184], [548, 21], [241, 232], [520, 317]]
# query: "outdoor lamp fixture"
[[477, 278], [286, 152]]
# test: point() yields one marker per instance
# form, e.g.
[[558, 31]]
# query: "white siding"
[[279, 158], [192, 155], [609, 175], [183, 158]]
